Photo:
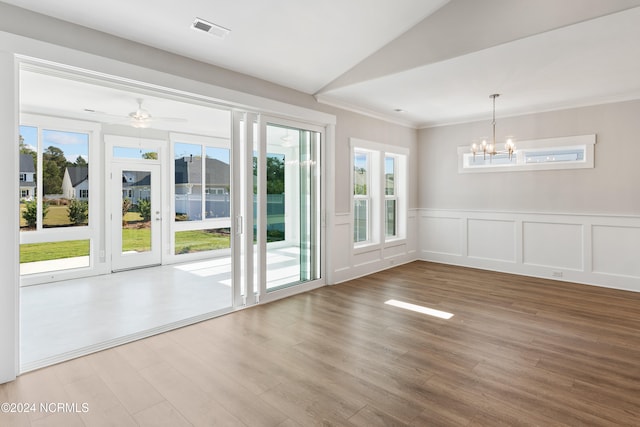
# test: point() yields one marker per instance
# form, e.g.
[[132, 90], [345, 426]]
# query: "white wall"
[[9, 225], [346, 263], [582, 225]]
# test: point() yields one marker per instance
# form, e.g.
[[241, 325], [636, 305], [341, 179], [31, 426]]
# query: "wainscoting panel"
[[349, 263], [599, 250], [553, 245], [342, 242], [616, 250], [491, 239], [441, 235]]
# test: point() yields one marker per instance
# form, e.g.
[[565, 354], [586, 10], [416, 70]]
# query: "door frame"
[[113, 210], [264, 295]]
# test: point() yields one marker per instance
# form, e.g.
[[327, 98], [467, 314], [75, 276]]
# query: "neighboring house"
[[188, 187], [27, 177], [75, 183], [188, 176], [136, 185]]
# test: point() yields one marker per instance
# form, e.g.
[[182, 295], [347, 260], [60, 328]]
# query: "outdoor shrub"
[[78, 211], [144, 208], [30, 213], [126, 205]]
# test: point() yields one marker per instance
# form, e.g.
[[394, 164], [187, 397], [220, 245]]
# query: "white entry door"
[[136, 215]]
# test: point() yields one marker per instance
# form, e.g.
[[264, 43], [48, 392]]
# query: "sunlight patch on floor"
[[419, 309]]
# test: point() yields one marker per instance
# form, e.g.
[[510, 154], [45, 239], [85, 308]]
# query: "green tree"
[[80, 161], [150, 155], [78, 211], [53, 165], [51, 179], [275, 175]]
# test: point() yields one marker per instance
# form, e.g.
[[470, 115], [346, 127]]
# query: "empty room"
[[283, 213]]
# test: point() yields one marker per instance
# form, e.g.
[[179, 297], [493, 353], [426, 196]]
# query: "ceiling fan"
[[140, 118]]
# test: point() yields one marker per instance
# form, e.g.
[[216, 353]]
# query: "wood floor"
[[518, 351]]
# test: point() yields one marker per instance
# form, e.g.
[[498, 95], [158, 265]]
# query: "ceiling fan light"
[[140, 124]]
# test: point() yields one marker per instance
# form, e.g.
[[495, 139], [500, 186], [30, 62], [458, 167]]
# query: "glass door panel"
[[136, 216], [291, 205]]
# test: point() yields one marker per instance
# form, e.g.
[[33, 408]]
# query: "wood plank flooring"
[[518, 351]]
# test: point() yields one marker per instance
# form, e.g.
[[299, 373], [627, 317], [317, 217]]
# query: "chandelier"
[[489, 148]]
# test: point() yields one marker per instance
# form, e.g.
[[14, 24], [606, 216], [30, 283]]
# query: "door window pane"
[[292, 206], [136, 211], [134, 153]]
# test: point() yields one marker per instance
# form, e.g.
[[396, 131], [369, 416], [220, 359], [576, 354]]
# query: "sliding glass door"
[[289, 202]]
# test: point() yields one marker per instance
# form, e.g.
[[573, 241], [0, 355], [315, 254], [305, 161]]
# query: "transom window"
[[574, 152]]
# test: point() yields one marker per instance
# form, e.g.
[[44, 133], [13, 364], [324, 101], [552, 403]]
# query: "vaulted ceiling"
[[435, 60]]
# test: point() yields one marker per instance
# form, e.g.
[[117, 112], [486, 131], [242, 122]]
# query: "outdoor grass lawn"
[[32, 252], [200, 240], [133, 239], [56, 216], [136, 239]]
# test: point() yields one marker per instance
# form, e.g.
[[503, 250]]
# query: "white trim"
[[326, 100], [591, 249], [94, 230], [9, 222], [54, 56], [582, 142]]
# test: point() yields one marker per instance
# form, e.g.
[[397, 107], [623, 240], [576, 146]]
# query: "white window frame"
[[390, 197], [205, 223], [377, 226], [90, 232], [584, 143], [363, 197]]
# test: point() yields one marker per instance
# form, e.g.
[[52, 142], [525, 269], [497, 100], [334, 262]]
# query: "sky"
[[72, 144]]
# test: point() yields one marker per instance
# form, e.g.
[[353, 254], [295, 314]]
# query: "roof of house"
[[189, 170], [26, 163], [77, 174]]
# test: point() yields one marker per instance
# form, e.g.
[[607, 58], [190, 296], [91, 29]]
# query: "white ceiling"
[[437, 60]]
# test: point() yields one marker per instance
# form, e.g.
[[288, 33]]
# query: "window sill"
[[366, 247]]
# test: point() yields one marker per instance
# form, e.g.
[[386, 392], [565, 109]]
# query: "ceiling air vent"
[[208, 27]]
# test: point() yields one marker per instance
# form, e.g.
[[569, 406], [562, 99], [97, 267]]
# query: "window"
[[379, 192], [390, 199], [54, 183], [54, 167], [202, 194], [361, 197], [574, 152], [197, 198]]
